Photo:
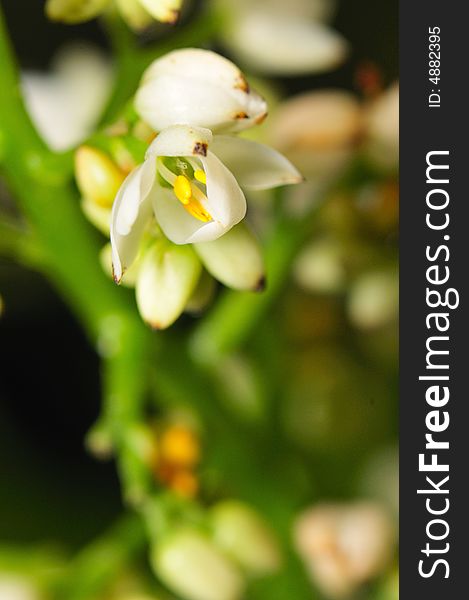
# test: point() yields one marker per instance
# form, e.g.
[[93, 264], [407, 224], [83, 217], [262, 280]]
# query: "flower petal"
[[286, 45], [180, 140], [178, 99], [254, 165], [130, 214], [177, 224], [201, 65], [225, 199]]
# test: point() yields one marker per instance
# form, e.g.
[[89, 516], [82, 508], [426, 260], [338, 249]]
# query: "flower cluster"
[[215, 562], [137, 13], [179, 214]]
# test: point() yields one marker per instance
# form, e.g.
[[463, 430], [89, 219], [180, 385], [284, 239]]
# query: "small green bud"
[[244, 536], [74, 11], [193, 567], [134, 14], [98, 178]]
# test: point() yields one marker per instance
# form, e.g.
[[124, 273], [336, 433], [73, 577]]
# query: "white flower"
[[198, 87], [280, 37], [60, 103], [191, 182]]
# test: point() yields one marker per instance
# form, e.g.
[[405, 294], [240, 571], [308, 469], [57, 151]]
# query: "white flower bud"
[[344, 546], [134, 14], [166, 11], [245, 537], [193, 567], [318, 131], [200, 88], [235, 259], [98, 177], [166, 280]]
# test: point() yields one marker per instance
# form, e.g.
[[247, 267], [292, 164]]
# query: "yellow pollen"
[[182, 189], [200, 176]]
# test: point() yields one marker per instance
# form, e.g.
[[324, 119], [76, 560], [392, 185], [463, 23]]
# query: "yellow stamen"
[[200, 176], [185, 193], [182, 189], [196, 209]]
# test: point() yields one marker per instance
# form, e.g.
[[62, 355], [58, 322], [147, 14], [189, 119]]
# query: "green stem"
[[71, 254], [101, 562]]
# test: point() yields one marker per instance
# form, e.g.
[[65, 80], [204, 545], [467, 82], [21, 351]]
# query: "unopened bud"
[[134, 14], [193, 567], [235, 259], [318, 131], [166, 280], [98, 178], [75, 11], [99, 216], [345, 545], [166, 11], [245, 537]]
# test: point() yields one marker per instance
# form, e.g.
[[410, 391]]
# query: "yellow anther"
[[182, 189], [200, 176], [196, 209]]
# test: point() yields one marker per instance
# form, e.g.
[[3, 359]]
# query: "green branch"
[[70, 251]]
